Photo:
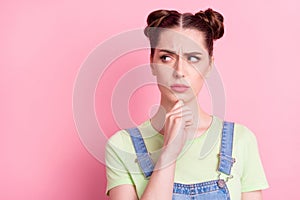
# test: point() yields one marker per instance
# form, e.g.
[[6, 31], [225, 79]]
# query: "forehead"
[[182, 40]]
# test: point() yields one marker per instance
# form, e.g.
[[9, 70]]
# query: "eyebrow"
[[173, 52]]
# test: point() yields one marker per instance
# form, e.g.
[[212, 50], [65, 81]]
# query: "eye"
[[165, 58], [193, 59]]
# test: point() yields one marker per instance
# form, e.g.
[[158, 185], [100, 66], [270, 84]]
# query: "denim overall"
[[210, 190]]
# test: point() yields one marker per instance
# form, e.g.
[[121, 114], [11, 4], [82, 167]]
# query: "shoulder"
[[122, 140], [242, 132], [244, 137], [118, 137], [119, 140]]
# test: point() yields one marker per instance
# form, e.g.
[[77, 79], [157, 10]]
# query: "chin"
[[172, 98]]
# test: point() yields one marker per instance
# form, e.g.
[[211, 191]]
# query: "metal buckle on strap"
[[221, 182]]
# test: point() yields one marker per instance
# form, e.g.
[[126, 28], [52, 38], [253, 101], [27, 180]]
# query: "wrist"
[[166, 158]]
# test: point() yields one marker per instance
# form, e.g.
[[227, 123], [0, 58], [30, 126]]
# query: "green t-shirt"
[[191, 167]]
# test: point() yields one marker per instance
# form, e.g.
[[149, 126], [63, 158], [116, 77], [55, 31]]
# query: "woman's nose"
[[178, 68]]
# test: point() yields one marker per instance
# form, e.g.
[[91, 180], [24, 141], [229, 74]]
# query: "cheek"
[[197, 82], [201, 68], [163, 73]]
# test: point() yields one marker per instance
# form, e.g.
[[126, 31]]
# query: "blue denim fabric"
[[143, 158], [226, 160], [210, 190]]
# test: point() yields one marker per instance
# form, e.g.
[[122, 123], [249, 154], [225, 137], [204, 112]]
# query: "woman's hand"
[[160, 185], [175, 134], [161, 182]]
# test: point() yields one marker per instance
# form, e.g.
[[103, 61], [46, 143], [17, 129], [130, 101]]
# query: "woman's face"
[[179, 62]]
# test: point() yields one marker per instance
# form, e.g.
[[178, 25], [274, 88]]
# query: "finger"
[[180, 114], [177, 105], [182, 118], [178, 110], [188, 123], [187, 117]]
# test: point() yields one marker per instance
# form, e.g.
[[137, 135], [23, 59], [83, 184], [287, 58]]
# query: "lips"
[[179, 88]]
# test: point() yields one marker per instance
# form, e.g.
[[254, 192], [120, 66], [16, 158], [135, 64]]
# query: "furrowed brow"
[[167, 51], [193, 53]]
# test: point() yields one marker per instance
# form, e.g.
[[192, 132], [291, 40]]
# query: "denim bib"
[[210, 190]]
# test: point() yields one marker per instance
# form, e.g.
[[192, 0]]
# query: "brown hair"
[[209, 22]]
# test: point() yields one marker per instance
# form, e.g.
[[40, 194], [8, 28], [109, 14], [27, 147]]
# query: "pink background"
[[44, 43]]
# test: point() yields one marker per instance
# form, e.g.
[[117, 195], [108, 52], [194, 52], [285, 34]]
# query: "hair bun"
[[156, 18], [215, 21]]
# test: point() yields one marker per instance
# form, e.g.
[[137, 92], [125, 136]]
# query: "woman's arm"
[[255, 195], [123, 192], [160, 185]]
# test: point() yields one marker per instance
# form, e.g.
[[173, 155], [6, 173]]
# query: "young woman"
[[160, 158]]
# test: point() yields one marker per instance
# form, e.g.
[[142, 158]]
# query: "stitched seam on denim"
[[144, 160], [204, 187], [225, 155]]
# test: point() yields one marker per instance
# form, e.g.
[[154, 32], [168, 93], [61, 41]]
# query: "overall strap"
[[226, 161], [143, 158]]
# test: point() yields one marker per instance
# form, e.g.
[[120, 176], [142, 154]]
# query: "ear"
[[152, 65]]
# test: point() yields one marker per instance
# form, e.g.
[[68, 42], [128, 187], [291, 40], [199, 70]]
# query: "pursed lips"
[[179, 87]]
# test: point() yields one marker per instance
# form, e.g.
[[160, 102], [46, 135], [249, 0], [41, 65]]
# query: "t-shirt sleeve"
[[116, 171], [253, 176]]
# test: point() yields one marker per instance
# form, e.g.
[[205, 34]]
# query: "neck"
[[201, 119]]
